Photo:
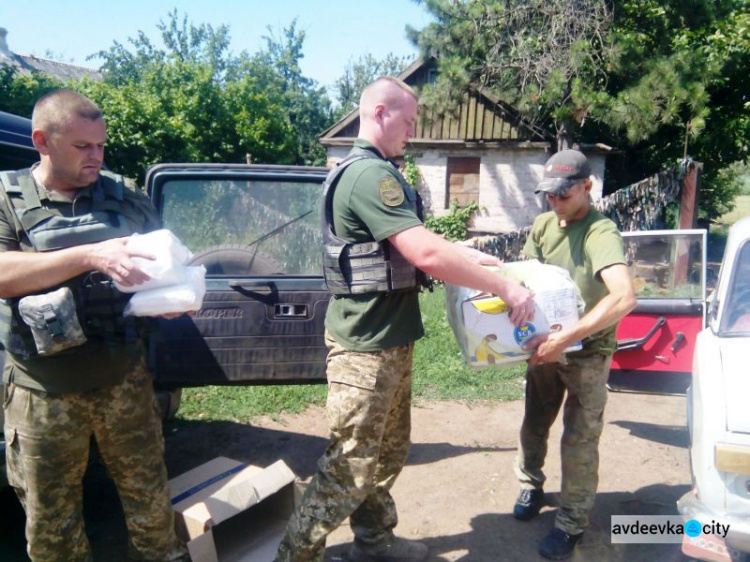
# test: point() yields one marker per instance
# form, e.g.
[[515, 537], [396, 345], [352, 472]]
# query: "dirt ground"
[[457, 491]]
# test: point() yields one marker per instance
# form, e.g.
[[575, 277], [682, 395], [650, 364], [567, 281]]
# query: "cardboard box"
[[227, 511], [481, 323]]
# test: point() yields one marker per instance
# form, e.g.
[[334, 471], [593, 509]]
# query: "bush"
[[454, 225]]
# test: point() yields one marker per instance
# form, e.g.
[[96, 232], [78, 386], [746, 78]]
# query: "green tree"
[[176, 112], [358, 74], [195, 101], [545, 57], [19, 92], [697, 52], [304, 102], [184, 42], [184, 104], [658, 79]]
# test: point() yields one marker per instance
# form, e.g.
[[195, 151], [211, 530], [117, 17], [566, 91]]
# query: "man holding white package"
[[74, 364], [578, 238]]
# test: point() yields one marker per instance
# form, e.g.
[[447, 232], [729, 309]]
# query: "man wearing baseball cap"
[[577, 237]]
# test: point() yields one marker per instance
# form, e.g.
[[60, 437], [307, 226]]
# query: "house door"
[[462, 180]]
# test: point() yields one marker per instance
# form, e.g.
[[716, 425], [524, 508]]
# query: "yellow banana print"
[[491, 306]]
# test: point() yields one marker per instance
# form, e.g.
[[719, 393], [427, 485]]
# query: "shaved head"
[[56, 110], [388, 115], [387, 91], [70, 134]]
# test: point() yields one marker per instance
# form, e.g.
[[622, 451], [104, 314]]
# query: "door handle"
[[638, 343], [290, 311]]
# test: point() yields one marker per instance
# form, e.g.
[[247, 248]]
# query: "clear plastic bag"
[[185, 296], [171, 256]]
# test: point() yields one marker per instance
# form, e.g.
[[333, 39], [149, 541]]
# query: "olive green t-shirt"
[[95, 364], [583, 247], [363, 212]]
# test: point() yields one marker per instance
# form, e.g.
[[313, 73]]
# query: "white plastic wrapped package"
[[481, 324], [181, 297], [170, 254]]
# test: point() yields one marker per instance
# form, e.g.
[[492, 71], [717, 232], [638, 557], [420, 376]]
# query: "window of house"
[[462, 180]]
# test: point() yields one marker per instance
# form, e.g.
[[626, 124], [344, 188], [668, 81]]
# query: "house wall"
[[507, 177], [336, 154]]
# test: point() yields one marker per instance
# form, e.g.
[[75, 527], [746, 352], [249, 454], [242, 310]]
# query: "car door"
[[16, 151], [256, 229], [655, 342]]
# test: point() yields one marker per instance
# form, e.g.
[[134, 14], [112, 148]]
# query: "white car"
[[718, 411]]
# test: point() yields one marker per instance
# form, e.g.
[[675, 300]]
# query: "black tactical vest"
[[368, 267], [99, 304]]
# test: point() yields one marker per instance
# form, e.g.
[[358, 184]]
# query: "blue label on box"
[[524, 332], [206, 483]]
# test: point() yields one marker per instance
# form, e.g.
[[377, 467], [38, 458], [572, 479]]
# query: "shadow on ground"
[[674, 435], [191, 443], [498, 536], [187, 445]]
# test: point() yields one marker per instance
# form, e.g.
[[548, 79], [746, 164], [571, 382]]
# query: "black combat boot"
[[392, 549], [558, 545], [528, 504]]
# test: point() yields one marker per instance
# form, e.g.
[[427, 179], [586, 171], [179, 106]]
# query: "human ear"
[[379, 111], [40, 140]]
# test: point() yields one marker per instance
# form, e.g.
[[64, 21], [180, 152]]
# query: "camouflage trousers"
[[369, 413], [585, 380], [48, 438]]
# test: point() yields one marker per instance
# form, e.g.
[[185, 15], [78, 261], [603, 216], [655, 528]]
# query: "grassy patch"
[[244, 403], [741, 210], [440, 373], [717, 235]]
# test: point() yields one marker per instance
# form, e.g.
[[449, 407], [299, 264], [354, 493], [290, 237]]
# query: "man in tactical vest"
[[376, 249], [74, 367]]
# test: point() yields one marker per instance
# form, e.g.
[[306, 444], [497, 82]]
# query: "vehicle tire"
[[236, 259]]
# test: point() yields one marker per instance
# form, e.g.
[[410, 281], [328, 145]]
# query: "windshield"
[[280, 219], [736, 319]]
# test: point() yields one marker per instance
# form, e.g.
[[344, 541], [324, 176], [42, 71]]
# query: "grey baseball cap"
[[562, 171]]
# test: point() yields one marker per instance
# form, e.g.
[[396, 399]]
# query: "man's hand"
[[549, 347], [113, 258], [608, 311], [520, 301]]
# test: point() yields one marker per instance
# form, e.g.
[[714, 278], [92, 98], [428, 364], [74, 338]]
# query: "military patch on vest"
[[391, 192]]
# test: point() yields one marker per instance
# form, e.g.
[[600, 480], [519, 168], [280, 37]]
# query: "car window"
[[736, 320], [666, 265], [16, 148], [278, 220], [16, 157]]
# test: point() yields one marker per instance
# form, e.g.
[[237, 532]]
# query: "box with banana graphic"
[[480, 320]]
